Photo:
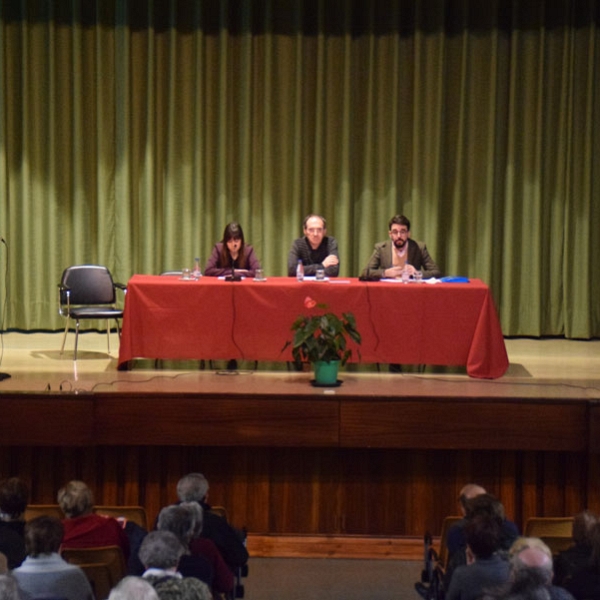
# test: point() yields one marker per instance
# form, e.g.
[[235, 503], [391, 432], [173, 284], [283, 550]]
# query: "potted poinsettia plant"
[[321, 338]]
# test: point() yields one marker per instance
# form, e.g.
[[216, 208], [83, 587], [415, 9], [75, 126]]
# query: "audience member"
[[160, 553], [8, 588], [44, 571], [486, 568], [133, 588], [316, 250], [580, 573], [400, 253], [530, 574], [14, 496], [475, 501], [84, 528], [232, 253], [579, 554], [207, 564], [194, 488]]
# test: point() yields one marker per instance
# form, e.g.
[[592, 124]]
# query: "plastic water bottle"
[[405, 274], [300, 271], [197, 272]]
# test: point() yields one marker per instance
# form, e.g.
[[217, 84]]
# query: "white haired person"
[[193, 487], [160, 553], [133, 588]]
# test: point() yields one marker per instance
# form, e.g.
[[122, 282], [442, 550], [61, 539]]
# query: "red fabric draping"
[[441, 324]]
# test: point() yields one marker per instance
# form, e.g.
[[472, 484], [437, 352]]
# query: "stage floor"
[[548, 368]]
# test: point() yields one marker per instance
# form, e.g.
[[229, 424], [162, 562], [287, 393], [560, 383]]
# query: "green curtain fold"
[[132, 132]]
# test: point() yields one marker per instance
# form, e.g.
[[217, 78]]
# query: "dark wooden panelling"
[[43, 420], [484, 424], [389, 492], [216, 421], [300, 465]]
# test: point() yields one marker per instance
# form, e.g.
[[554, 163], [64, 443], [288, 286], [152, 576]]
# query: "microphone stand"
[[3, 376], [233, 276]]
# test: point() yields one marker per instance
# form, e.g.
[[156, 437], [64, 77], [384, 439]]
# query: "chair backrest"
[[88, 284], [555, 532], [101, 579], [37, 510], [446, 525], [104, 566], [221, 511], [137, 514]]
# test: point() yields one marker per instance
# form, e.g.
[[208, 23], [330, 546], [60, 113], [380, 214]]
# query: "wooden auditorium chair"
[[555, 532]]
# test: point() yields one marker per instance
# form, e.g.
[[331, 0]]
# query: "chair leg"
[[108, 335], [76, 339], [62, 348]]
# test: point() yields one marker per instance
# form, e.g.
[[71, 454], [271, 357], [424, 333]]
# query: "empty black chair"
[[88, 292]]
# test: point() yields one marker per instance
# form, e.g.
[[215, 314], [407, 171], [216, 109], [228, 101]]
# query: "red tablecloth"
[[441, 324]]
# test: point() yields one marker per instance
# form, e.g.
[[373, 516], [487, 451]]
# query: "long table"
[[442, 324]]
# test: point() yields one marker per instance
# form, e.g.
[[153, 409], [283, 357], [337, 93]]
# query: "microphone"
[[233, 276]]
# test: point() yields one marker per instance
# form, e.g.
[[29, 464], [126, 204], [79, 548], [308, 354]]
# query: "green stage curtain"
[[133, 131]]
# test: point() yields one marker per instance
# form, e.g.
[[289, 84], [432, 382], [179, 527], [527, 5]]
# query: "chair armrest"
[[122, 287]]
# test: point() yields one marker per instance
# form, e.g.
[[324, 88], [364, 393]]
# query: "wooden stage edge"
[[336, 546], [283, 410]]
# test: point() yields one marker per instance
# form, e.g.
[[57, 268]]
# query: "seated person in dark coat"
[[316, 250], [475, 501], [194, 488], [579, 554], [160, 553], [207, 564], [486, 567], [578, 568], [14, 495]]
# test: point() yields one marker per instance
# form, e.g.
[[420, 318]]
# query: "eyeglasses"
[[314, 230], [398, 232]]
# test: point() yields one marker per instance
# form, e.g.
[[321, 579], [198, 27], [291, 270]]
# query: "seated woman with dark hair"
[[83, 527], [232, 256], [14, 495], [44, 572]]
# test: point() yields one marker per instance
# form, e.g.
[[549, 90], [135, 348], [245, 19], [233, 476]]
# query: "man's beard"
[[399, 243]]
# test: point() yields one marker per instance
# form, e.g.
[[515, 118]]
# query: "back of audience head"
[[192, 487], [43, 535], [184, 520], [531, 566], [482, 535], [486, 505], [583, 524], [14, 496], [161, 550], [9, 590], [75, 499], [468, 492], [594, 540], [133, 588]]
